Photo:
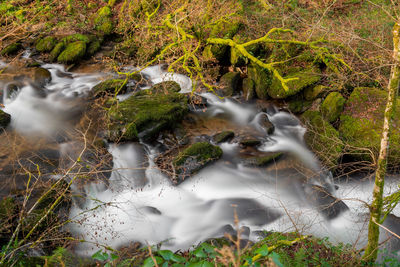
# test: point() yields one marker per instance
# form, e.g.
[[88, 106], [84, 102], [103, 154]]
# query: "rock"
[[304, 78], [145, 114], [261, 78], [229, 83], [73, 52], [165, 87], [224, 136], [46, 44], [322, 138], [58, 48], [109, 87], [5, 119], [250, 142], [11, 49], [249, 92], [103, 21], [332, 106], [41, 76], [93, 47], [299, 105], [313, 92], [264, 160], [194, 158], [77, 37], [266, 124], [361, 125]]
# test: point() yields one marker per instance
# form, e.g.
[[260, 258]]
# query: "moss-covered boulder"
[[322, 138], [77, 37], [5, 119], [229, 83], [165, 87], [46, 44], [93, 47], [41, 76], [56, 51], [261, 78], [223, 136], [332, 106], [145, 114], [248, 87], [250, 142], [109, 87], [73, 52], [361, 125], [298, 105], [194, 158], [103, 21], [263, 161], [11, 49], [313, 92], [301, 80]]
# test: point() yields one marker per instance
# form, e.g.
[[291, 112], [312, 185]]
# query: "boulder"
[[322, 138], [313, 92], [249, 92], [261, 78], [194, 158], [332, 106], [41, 76], [73, 52], [56, 51], [46, 44], [164, 87], [5, 119], [11, 49], [361, 125], [229, 83], [145, 114], [263, 160], [103, 21], [109, 87], [224, 136]]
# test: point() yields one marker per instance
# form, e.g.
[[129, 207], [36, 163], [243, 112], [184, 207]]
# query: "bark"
[[371, 250]]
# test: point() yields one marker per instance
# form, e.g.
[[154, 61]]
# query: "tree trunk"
[[371, 251]]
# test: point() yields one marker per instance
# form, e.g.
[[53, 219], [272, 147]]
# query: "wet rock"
[[73, 52], [330, 206], [322, 138], [56, 51], [266, 124], [12, 89], [165, 87], [145, 114], [361, 125], [103, 21], [11, 49], [76, 38], [299, 105], [93, 47], [41, 76], [109, 87], [302, 79], [264, 160], [46, 44], [250, 142], [5, 119], [261, 78], [249, 92], [229, 83], [194, 158], [224, 136], [332, 106], [313, 92]]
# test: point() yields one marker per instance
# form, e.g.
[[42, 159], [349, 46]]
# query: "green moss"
[[149, 112], [200, 154], [299, 105], [250, 142], [5, 119], [303, 79], [73, 52], [361, 125], [322, 138], [111, 87], [103, 21], [11, 49], [266, 160], [165, 87], [332, 106], [94, 46], [75, 38], [248, 89], [313, 92], [223, 136], [261, 78], [46, 44], [229, 83], [56, 51]]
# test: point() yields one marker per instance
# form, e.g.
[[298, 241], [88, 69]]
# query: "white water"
[[141, 204]]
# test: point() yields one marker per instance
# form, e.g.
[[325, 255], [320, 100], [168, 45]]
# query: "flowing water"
[[140, 204]]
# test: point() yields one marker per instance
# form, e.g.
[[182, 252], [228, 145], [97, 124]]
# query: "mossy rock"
[[145, 114], [361, 125], [194, 158], [248, 86], [103, 21], [5, 119], [229, 83], [303, 79], [41, 76], [58, 48], [73, 52], [223, 136], [165, 87], [11, 49], [322, 138], [261, 78], [332, 106], [313, 92], [46, 44], [109, 87], [250, 142], [93, 47], [76, 38], [264, 160], [299, 105]]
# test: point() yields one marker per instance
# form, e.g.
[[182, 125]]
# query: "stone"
[[5, 119], [263, 160], [224, 136], [58, 48], [250, 142], [103, 21], [73, 52], [109, 87], [261, 78], [332, 106], [41, 76], [46, 44], [229, 83], [11, 49], [313, 92], [249, 92], [165, 87]]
